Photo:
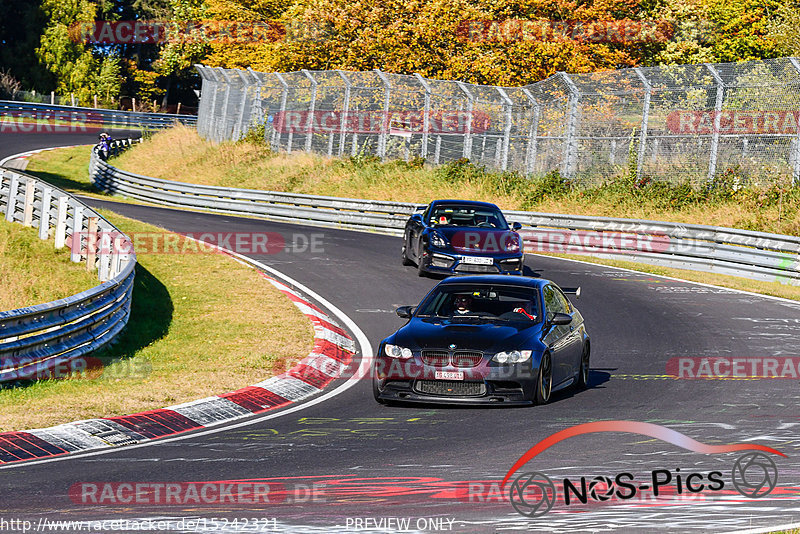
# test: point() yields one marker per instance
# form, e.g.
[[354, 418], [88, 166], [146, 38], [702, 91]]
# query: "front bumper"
[[485, 384], [452, 263], [494, 393]]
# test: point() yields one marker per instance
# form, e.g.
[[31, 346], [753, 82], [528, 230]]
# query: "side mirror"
[[406, 311], [561, 319], [417, 217], [516, 226]]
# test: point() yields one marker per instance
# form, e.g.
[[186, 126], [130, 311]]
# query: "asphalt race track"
[[351, 465]]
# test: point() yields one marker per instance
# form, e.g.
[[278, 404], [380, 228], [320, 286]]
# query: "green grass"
[[34, 272], [66, 168]]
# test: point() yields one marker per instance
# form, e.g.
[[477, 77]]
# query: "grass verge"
[[187, 338], [34, 272]]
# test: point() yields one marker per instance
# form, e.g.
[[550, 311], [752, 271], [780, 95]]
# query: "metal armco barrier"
[[93, 116], [49, 340], [754, 255]]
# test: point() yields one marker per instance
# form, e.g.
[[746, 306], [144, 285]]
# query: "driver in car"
[[462, 304]]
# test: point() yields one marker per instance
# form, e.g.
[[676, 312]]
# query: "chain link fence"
[[694, 123]]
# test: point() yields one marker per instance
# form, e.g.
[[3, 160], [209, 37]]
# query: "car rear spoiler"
[[572, 291]]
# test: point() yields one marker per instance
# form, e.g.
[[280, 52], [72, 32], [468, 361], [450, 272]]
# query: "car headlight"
[[512, 244], [438, 240], [395, 351], [514, 356]]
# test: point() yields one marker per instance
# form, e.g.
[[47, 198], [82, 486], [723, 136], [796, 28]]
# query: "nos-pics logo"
[[533, 494]]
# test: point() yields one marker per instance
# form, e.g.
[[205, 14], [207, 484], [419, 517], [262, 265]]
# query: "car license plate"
[[477, 260], [449, 375]]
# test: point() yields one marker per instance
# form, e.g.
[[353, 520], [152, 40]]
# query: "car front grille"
[[469, 268], [463, 359], [435, 358], [451, 388], [466, 359]]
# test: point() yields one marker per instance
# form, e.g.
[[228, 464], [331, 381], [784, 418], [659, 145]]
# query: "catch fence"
[[693, 123]]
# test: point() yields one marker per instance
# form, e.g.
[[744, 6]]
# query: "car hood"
[[479, 240], [424, 333]]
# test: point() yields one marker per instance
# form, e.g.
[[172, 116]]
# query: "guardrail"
[[49, 339], [748, 254], [92, 116]]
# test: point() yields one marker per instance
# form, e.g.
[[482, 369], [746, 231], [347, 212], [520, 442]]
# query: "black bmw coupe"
[[484, 339]]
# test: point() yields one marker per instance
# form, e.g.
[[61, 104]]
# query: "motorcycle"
[[103, 148]]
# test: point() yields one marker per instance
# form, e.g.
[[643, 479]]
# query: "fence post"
[[240, 121], [645, 119], [468, 130], [276, 136], [61, 221], [712, 160], [44, 218], [426, 115], [311, 109], [796, 168], [91, 243], [224, 120], [530, 153], [570, 164], [385, 122], [509, 105], [202, 103], [213, 120], [256, 113], [77, 228], [13, 189], [117, 242], [345, 111], [27, 211], [210, 90], [104, 270]]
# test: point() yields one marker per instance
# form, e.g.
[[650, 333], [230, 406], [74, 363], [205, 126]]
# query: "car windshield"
[[470, 303], [467, 216]]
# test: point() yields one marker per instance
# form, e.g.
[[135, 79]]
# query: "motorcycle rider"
[[104, 146]]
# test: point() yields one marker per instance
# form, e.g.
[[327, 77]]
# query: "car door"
[[558, 338], [573, 345]]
